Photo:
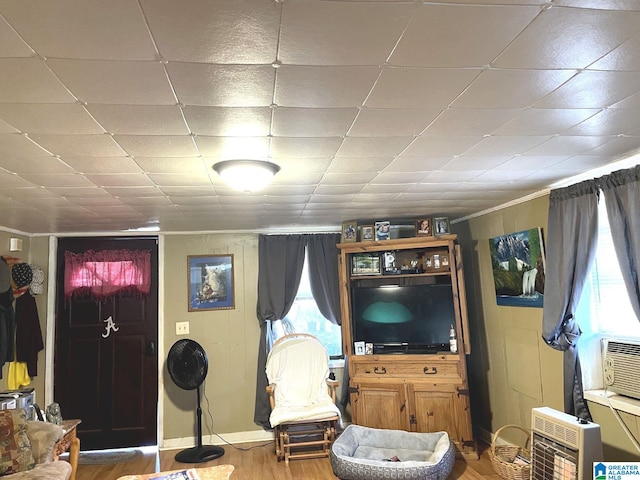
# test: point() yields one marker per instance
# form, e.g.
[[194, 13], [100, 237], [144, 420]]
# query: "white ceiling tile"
[[613, 121], [440, 146], [626, 57], [505, 146], [180, 179], [11, 45], [228, 121], [37, 164], [79, 145], [542, 121], [173, 165], [60, 118], [297, 147], [332, 178], [127, 180], [567, 145], [512, 88], [224, 148], [102, 165], [52, 182], [214, 31], [399, 178], [9, 181], [28, 80], [451, 33], [312, 122], [341, 33], [14, 145], [331, 199], [6, 128], [452, 176], [326, 87], [381, 122], [304, 164], [473, 163], [373, 146], [420, 87], [417, 164], [461, 122], [632, 101], [113, 30], [140, 119], [157, 145], [530, 162], [631, 5], [222, 85], [338, 189], [593, 90], [359, 164], [616, 147], [573, 38], [124, 192], [175, 192], [95, 81]]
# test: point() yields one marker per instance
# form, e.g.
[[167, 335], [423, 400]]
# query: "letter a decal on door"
[[109, 327]]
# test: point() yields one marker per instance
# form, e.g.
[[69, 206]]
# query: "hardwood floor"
[[258, 462]]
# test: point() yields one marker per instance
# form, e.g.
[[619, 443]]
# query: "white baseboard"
[[234, 437]]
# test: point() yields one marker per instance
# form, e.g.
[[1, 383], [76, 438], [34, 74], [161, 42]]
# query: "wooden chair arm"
[[333, 385], [270, 391]]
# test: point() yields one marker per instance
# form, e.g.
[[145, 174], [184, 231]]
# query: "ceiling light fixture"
[[246, 175]]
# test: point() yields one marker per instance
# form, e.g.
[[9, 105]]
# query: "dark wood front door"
[[107, 376]]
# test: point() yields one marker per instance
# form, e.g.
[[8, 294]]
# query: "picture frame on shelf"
[[441, 225], [367, 233], [349, 231], [383, 230], [437, 261], [365, 264], [210, 282], [424, 227]]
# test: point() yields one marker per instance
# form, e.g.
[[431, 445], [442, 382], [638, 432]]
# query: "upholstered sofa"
[[42, 439]]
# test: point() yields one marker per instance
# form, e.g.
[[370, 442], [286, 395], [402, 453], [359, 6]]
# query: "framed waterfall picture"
[[210, 280], [518, 265]]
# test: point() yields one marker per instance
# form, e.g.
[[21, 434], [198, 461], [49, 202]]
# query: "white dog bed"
[[362, 453]]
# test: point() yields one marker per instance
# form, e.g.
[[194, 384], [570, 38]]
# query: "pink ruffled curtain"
[[107, 273]]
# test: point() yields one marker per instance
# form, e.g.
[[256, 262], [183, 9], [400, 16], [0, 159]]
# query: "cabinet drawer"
[[434, 370]]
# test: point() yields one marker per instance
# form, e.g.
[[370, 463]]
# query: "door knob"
[[149, 349]]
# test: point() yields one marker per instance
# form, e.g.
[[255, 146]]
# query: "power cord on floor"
[[212, 432]]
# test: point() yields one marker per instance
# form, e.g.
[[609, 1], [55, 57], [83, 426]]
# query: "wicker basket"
[[502, 457]]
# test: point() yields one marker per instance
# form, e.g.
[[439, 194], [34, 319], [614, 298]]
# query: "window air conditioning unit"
[[622, 368], [563, 447]]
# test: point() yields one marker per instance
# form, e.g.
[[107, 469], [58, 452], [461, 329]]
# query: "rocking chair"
[[304, 414]]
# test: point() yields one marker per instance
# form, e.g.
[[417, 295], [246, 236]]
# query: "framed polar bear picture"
[[210, 279]]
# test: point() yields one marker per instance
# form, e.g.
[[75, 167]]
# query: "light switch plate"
[[182, 328]]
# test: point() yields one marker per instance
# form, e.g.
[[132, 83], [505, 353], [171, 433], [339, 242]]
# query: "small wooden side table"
[[70, 442], [218, 472]]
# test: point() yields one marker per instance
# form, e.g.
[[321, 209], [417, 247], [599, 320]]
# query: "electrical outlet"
[[182, 328]]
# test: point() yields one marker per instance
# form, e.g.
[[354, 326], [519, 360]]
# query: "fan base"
[[201, 454]]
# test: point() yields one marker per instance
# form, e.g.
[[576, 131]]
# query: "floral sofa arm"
[[43, 437]]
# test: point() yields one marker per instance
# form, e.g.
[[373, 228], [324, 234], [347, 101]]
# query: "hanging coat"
[[28, 334]]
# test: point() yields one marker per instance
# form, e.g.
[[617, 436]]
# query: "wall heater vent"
[[622, 368], [562, 446]]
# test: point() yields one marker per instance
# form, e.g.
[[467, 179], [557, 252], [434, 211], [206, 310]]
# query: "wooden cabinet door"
[[434, 408], [380, 405]]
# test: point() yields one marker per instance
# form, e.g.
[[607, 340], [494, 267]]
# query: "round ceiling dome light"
[[246, 175]]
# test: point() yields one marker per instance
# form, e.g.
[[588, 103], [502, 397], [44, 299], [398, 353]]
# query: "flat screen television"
[[403, 319]]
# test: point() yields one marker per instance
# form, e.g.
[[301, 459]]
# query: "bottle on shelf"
[[453, 340]]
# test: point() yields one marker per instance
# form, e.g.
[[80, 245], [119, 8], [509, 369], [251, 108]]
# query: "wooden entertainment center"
[[403, 390]]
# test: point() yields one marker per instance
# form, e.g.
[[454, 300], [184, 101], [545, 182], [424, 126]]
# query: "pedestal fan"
[[188, 366]]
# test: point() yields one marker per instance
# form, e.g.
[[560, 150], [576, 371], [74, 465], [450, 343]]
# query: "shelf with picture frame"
[[407, 381]]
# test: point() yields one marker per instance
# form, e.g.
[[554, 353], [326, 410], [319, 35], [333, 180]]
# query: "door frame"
[[51, 322]]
